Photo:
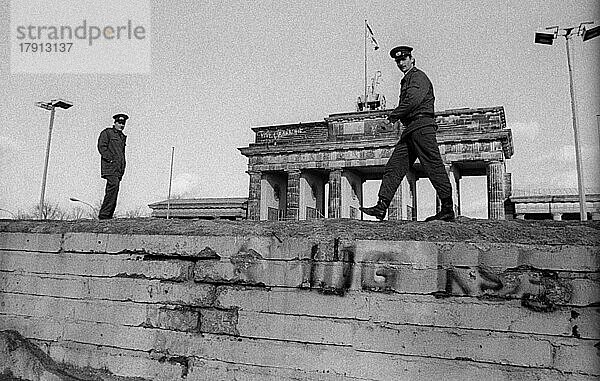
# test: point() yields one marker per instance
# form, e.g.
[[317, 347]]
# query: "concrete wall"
[[173, 307]]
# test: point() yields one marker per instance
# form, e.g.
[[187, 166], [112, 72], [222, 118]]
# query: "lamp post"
[[52, 105], [546, 38], [9, 212], [598, 122], [86, 203]]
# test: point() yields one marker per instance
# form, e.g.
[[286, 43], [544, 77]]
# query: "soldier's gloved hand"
[[385, 126]]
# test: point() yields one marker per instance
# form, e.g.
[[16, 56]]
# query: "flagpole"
[[170, 180], [365, 99]]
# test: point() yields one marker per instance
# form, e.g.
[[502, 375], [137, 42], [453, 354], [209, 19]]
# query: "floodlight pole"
[[52, 111], [365, 99], [52, 105], [580, 182]]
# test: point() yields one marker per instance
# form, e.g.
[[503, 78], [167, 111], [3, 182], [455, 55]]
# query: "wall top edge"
[[326, 230]]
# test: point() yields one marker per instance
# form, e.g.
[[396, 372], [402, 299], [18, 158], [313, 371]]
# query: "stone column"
[[403, 201], [507, 185], [253, 212], [496, 194], [293, 195], [454, 176], [395, 211], [509, 206], [335, 194], [351, 195]]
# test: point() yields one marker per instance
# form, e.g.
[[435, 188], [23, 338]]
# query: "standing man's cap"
[[401, 52], [120, 118]]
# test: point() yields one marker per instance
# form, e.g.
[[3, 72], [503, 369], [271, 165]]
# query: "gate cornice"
[[449, 139]]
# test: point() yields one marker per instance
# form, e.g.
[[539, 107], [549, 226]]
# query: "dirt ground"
[[464, 229]]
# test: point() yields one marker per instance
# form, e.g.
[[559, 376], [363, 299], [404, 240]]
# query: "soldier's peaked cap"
[[400, 51], [120, 117]]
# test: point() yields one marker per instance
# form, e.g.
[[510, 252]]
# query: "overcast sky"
[[219, 68]]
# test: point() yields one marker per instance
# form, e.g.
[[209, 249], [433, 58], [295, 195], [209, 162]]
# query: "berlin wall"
[[326, 300]]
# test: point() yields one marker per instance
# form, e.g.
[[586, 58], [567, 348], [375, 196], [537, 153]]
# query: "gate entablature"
[[459, 127], [454, 126], [353, 147]]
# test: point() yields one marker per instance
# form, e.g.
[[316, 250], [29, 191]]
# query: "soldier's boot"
[[446, 213], [378, 211]]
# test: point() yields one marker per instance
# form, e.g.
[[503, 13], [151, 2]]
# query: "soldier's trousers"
[[421, 144], [110, 197]]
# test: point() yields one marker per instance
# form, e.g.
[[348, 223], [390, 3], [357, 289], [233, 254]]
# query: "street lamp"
[[546, 38], [9, 212], [86, 203], [52, 105]]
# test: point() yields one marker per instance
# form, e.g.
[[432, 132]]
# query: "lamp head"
[[590, 33], [544, 38], [61, 103]]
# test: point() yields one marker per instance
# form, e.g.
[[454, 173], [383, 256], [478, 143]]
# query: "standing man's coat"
[[111, 145]]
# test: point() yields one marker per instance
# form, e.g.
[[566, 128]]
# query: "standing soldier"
[[415, 112], [111, 145]]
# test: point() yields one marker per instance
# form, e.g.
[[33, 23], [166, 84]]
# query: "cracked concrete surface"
[[152, 299]]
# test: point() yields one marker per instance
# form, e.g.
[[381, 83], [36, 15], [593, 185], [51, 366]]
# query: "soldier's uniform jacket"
[[415, 107], [111, 145]]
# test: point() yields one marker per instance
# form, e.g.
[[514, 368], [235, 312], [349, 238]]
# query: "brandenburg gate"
[[293, 168]]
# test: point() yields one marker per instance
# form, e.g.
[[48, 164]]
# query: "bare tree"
[[133, 213], [22, 215], [78, 213], [50, 211]]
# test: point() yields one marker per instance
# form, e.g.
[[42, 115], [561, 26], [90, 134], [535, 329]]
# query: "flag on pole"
[[373, 40]]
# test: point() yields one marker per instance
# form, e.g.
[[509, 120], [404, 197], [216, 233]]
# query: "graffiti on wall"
[[539, 290], [378, 272], [332, 268]]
